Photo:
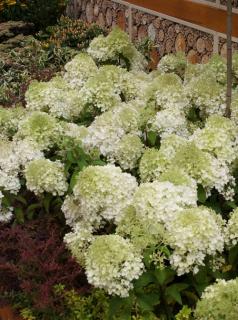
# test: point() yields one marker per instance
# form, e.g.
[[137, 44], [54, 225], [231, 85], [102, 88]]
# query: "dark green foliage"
[[41, 12]]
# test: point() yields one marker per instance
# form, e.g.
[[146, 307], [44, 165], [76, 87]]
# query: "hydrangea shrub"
[[145, 167]]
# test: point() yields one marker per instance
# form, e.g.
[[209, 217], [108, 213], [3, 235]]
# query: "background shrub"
[[41, 12], [71, 33]]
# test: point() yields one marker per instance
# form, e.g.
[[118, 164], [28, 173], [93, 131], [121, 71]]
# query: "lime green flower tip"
[[40, 128], [113, 263], [219, 301], [43, 175], [141, 233]]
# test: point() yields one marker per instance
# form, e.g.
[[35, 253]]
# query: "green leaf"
[[82, 163], [174, 290], [46, 202], [31, 210], [214, 206], [121, 307], [165, 250], [144, 280], [125, 314], [114, 306], [233, 255], [67, 166], [231, 204], [151, 137], [201, 280], [98, 163], [57, 202], [147, 301], [147, 258], [19, 215], [191, 296], [6, 201], [164, 276], [21, 199], [70, 157], [174, 294], [201, 194], [73, 179]]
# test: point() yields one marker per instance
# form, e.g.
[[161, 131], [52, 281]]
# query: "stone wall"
[[234, 3], [103, 12], [168, 34], [171, 37]]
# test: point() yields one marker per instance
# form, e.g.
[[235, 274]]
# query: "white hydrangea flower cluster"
[[231, 231], [5, 213], [170, 121], [142, 234], [161, 201], [234, 107], [114, 46], [193, 71], [111, 85], [40, 128], [9, 167], [134, 84], [112, 74], [79, 240], [217, 67], [9, 181], [154, 161], [206, 169], [151, 165], [207, 94], [101, 50], [79, 70], [8, 160], [219, 137], [100, 193], [9, 120], [128, 151], [102, 91], [235, 64], [35, 96], [108, 129], [173, 63], [13, 157], [168, 92], [218, 301], [65, 103], [55, 97], [25, 151], [203, 167], [178, 177], [72, 135], [71, 209], [43, 175], [194, 233], [112, 263]]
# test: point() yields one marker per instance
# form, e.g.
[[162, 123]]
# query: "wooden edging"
[[204, 15]]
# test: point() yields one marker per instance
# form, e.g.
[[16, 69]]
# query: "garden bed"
[[118, 188]]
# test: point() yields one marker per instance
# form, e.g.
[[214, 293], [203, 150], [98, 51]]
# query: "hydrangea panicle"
[[112, 263], [218, 301], [193, 234], [43, 175]]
